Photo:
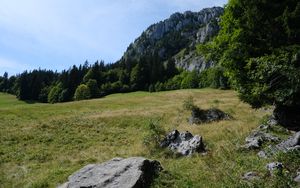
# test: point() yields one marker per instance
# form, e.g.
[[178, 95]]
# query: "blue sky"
[[56, 34]]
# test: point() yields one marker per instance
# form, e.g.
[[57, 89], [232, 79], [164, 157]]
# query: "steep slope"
[[179, 33]]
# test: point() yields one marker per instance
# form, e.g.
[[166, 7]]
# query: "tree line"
[[99, 79]]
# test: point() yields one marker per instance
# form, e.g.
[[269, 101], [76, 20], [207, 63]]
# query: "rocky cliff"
[[176, 38]]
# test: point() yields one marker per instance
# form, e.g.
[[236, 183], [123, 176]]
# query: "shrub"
[[53, 96], [190, 80], [93, 86], [159, 87], [153, 135], [188, 103], [82, 92]]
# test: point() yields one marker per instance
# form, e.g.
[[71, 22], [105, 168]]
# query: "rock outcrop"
[[257, 138], [181, 31], [133, 172], [183, 143], [199, 116], [292, 143]]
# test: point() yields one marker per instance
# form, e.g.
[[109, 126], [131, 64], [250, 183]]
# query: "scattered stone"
[[205, 116], [262, 154], [249, 176], [274, 166], [117, 173], [290, 144], [183, 143], [257, 138], [297, 178]]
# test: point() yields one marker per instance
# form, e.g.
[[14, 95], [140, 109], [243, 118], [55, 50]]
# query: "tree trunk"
[[288, 116]]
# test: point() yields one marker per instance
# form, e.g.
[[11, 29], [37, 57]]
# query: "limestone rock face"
[[133, 172], [180, 31], [183, 143]]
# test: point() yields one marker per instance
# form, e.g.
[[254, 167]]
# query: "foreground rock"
[[204, 116], [133, 172], [183, 143], [292, 143]]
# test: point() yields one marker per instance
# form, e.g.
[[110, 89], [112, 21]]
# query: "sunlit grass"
[[42, 144]]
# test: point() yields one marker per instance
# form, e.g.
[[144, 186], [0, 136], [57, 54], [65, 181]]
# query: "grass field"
[[42, 144]]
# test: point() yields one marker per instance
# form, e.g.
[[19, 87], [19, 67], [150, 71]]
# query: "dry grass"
[[42, 144]]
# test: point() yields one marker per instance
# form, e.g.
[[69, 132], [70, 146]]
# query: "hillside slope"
[[42, 144], [177, 33]]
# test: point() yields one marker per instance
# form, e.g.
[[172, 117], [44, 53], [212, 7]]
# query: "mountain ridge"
[[180, 31]]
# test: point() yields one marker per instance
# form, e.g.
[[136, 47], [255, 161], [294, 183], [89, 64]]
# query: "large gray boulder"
[[183, 143], [134, 172]]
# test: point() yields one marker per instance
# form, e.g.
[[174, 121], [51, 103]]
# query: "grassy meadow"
[[42, 144]]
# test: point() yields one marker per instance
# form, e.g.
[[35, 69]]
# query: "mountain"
[[176, 38]]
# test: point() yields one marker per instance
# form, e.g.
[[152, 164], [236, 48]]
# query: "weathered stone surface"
[[297, 178], [183, 143], [257, 138], [249, 176], [199, 116], [191, 27], [274, 166], [292, 143], [133, 172]]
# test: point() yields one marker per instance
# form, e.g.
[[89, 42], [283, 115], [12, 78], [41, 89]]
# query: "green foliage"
[[82, 92], [43, 96], [188, 104], [93, 86], [190, 80], [159, 87], [54, 94], [291, 161], [213, 77], [257, 45], [153, 135], [137, 77]]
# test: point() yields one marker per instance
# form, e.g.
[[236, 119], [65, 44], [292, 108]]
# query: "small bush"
[[188, 104], [153, 135]]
